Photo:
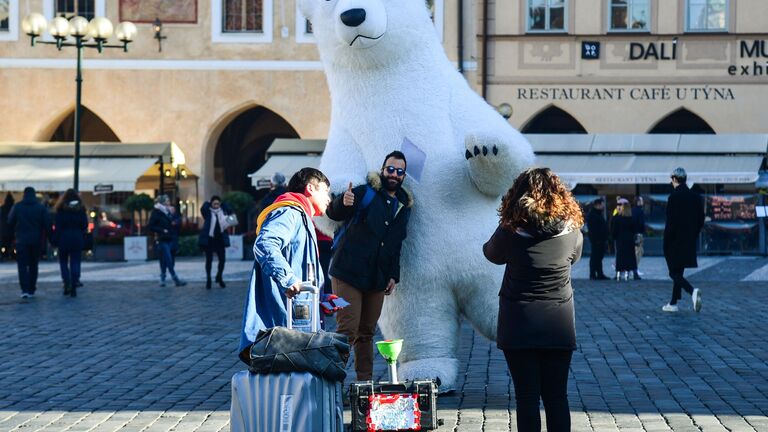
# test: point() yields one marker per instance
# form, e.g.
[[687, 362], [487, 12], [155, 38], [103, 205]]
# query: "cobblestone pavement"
[[132, 356]]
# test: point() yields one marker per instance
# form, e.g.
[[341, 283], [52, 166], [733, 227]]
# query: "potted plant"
[[135, 247]]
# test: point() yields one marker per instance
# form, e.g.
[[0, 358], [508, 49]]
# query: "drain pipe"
[[460, 48], [484, 75]]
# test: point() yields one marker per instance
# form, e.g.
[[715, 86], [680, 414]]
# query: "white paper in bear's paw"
[[415, 159]]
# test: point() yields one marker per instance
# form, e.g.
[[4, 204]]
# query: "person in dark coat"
[[70, 227], [366, 261], [623, 233], [638, 218], [214, 238], [6, 231], [161, 224], [685, 219], [538, 239], [597, 231], [32, 225]]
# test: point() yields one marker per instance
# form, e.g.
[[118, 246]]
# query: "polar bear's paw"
[[443, 370], [492, 165]]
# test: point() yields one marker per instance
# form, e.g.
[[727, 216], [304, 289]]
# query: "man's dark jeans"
[[541, 374], [596, 259], [678, 284], [27, 259]]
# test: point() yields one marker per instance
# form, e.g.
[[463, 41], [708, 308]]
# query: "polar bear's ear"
[[307, 8]]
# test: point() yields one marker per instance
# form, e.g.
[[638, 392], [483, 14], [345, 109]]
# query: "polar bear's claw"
[[443, 370]]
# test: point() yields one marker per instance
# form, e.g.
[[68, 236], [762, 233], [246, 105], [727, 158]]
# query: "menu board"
[[731, 207]]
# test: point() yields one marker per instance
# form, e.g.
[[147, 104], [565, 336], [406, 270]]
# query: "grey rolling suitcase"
[[288, 402]]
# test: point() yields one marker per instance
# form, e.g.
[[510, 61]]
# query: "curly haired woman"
[[538, 239]]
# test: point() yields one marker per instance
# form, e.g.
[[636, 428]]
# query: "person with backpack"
[[285, 254], [366, 259]]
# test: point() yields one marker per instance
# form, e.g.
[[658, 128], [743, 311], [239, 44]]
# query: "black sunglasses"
[[391, 170]]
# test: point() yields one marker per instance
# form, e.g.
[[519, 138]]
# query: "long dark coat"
[[685, 218], [536, 298], [623, 231], [71, 225]]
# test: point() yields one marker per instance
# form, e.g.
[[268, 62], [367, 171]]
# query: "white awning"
[[651, 169], [286, 165], [57, 174]]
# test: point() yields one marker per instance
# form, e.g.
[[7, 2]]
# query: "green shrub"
[[188, 246]]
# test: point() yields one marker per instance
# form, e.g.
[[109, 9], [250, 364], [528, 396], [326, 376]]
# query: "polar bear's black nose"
[[353, 17]]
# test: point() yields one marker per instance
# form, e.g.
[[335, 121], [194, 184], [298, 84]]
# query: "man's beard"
[[391, 184]]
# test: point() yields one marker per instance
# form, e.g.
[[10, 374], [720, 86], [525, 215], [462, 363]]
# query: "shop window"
[[9, 13], [707, 15], [629, 15], [553, 120], [682, 121], [547, 15], [243, 21], [70, 8]]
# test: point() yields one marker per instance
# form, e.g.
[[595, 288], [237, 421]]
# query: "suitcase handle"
[[315, 318]]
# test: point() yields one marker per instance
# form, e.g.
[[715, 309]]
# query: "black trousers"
[[218, 249], [27, 259], [679, 283], [596, 259], [541, 374]]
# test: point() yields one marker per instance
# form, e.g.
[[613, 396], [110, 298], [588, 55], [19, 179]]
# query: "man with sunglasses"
[[366, 259]]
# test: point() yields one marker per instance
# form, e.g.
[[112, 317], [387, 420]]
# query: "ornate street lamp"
[[76, 32], [505, 110]]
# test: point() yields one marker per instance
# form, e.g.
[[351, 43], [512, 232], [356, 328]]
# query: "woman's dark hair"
[[64, 199], [397, 155], [215, 198], [305, 176], [536, 199]]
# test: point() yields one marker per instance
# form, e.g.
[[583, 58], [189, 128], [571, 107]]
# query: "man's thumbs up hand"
[[349, 197]]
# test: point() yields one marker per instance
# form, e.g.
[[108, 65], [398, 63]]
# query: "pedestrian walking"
[[70, 227], [685, 219], [638, 218], [161, 224], [214, 238], [538, 240], [32, 226], [597, 231], [6, 230], [623, 233], [285, 253], [366, 260]]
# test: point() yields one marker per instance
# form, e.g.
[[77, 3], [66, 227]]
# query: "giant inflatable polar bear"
[[390, 79]]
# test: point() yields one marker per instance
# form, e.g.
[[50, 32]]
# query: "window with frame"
[[707, 15], [5, 16], [630, 15], [70, 8], [547, 15], [243, 16]]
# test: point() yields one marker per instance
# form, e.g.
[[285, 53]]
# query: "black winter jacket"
[[160, 224], [685, 218], [597, 227], [71, 225], [368, 255], [203, 239], [536, 298], [30, 220]]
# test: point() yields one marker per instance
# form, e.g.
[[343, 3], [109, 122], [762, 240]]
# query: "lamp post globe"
[[78, 26], [505, 110], [59, 27], [126, 31], [100, 28], [34, 24]]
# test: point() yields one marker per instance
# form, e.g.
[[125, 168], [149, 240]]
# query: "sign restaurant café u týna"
[[754, 50]]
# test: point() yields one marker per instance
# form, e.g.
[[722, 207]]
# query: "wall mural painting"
[[169, 11]]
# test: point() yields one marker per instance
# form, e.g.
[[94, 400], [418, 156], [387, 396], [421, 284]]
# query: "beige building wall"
[[526, 68], [188, 93]]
